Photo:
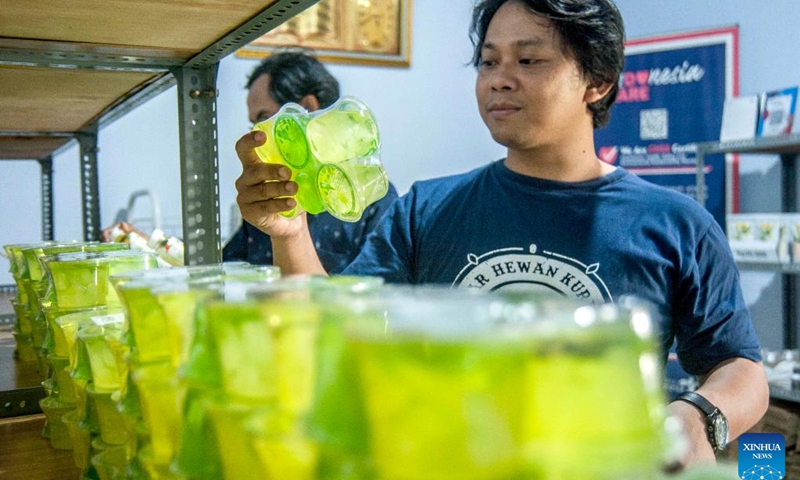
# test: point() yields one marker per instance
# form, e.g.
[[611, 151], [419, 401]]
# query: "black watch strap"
[[698, 401], [716, 423]]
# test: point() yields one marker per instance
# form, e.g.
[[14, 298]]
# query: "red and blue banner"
[[671, 97]]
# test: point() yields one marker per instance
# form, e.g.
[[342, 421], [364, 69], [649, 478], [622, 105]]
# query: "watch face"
[[720, 430]]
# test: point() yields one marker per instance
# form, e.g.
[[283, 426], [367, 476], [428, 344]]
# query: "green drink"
[[333, 156], [337, 421], [348, 188], [102, 359], [594, 385], [146, 324], [266, 350], [82, 280], [286, 144], [109, 419], [444, 393], [160, 399], [343, 131]]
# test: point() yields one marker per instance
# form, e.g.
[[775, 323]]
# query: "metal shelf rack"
[[788, 149], [68, 69]]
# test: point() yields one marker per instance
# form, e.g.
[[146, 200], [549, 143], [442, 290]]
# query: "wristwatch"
[[716, 423]]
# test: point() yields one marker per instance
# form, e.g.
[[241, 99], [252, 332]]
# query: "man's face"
[[530, 92], [260, 105]]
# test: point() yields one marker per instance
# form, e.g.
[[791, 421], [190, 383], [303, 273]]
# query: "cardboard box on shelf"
[[759, 237]]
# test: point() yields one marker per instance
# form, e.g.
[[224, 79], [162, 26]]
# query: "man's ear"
[[310, 102], [596, 91]]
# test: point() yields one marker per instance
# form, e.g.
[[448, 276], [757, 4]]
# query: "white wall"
[[427, 114]]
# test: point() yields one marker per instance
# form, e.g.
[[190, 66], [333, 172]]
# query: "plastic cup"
[[349, 187], [266, 344], [291, 140], [345, 130], [62, 383], [109, 417], [102, 359], [337, 420], [443, 388], [82, 280], [81, 439], [179, 305], [604, 365], [147, 326], [161, 400], [55, 410], [236, 449], [286, 144]]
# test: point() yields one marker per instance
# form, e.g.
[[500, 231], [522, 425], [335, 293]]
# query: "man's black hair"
[[295, 74], [591, 30]]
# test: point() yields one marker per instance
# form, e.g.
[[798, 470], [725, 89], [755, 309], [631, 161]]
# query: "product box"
[[739, 118], [777, 112], [759, 237]]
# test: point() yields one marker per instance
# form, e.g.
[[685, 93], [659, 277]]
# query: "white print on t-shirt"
[[533, 270]]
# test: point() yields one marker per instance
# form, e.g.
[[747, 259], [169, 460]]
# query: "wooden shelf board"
[[25, 454], [29, 147], [180, 26], [40, 99]]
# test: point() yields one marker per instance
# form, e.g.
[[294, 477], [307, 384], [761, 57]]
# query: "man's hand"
[[699, 449], [124, 227], [264, 190], [738, 387]]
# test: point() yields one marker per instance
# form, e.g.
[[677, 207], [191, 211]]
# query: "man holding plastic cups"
[[300, 80], [552, 215]]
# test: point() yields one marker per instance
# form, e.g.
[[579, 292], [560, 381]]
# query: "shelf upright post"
[[700, 161], [87, 140], [790, 283], [197, 119], [46, 165]]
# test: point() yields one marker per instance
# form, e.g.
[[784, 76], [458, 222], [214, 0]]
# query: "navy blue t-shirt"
[[492, 228], [337, 242]]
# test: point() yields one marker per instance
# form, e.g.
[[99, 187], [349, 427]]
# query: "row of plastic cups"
[[438, 368], [82, 279], [40, 294], [151, 420], [378, 358], [161, 317]]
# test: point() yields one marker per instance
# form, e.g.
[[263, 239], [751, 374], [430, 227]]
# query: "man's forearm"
[[296, 255], [738, 388]]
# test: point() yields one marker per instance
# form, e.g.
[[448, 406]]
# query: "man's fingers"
[[246, 144], [262, 172], [255, 211], [265, 191]]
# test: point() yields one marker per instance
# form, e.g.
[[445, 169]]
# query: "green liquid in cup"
[[291, 142], [339, 135], [349, 188], [599, 393], [307, 196], [444, 409], [266, 351]]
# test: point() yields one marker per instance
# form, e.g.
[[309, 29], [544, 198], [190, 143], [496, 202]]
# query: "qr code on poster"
[[654, 124]]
